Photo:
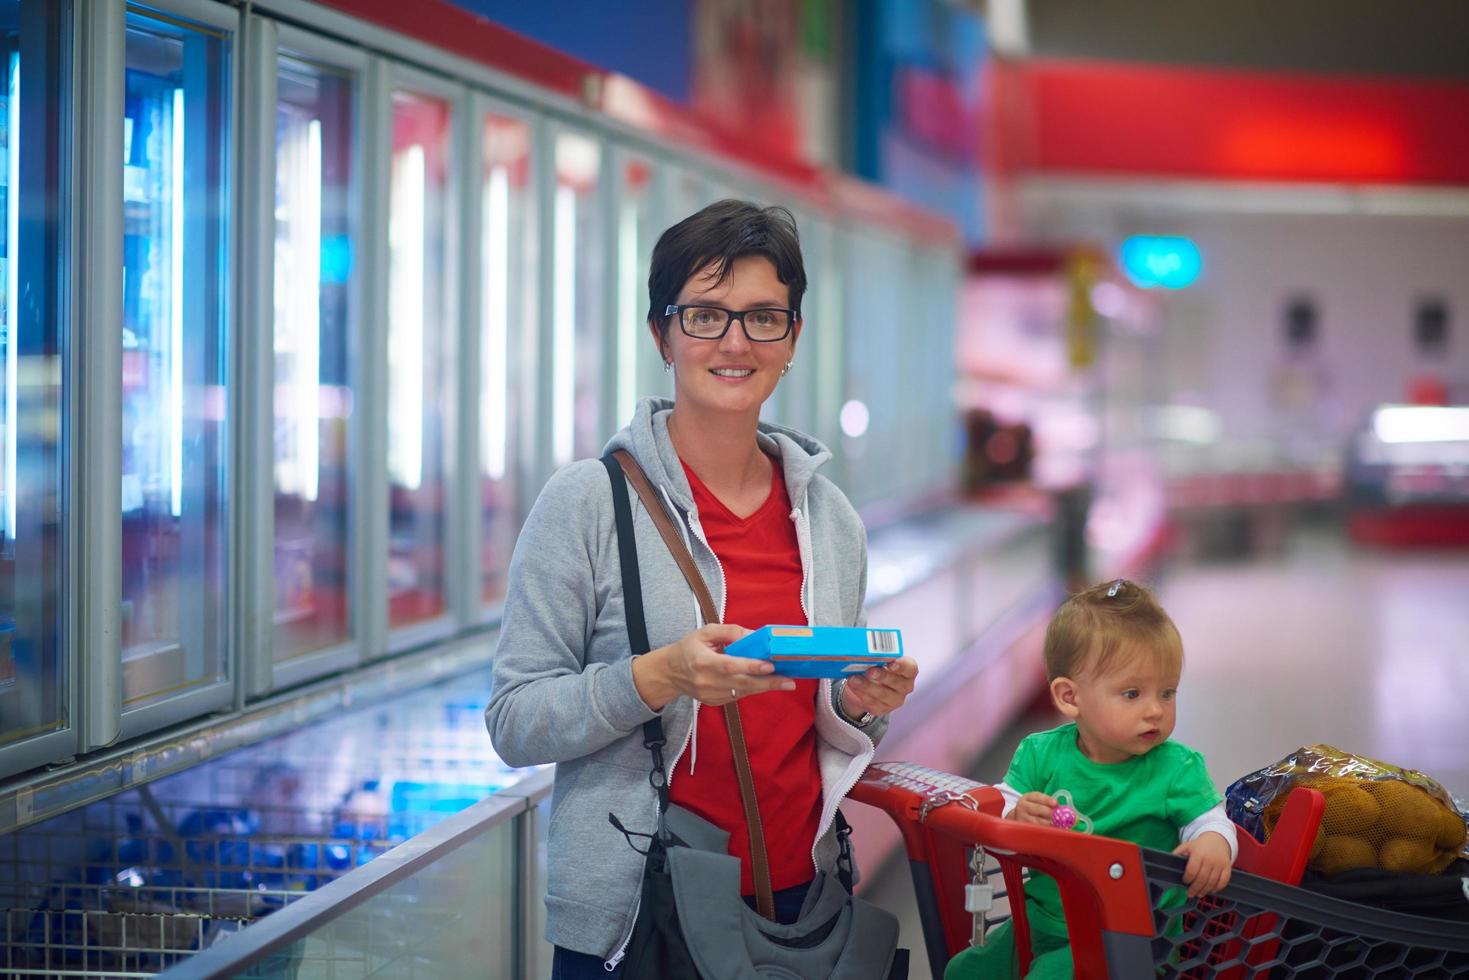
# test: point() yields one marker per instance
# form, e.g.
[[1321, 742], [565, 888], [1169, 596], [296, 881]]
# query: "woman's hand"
[[697, 665], [1209, 863], [880, 690], [1034, 808]]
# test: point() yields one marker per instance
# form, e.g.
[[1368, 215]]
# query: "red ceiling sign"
[[1124, 118]]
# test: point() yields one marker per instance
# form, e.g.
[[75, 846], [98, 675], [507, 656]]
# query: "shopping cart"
[[1261, 925]]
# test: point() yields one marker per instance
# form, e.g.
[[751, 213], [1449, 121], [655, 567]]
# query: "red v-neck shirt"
[[762, 576]]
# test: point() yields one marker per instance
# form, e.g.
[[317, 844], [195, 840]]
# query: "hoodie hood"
[[646, 437]]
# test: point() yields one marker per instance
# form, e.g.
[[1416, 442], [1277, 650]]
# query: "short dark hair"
[[1105, 623], [721, 234]]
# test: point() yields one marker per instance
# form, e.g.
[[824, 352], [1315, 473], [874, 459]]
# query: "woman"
[[775, 543]]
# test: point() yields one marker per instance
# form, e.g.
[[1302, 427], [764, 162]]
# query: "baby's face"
[[1126, 710]]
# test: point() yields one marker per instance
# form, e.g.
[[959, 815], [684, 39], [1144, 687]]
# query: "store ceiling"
[[1420, 38]]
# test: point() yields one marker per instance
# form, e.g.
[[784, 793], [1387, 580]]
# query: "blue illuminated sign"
[[1170, 261]]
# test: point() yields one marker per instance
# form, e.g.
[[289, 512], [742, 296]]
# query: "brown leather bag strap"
[[654, 506], [759, 858]]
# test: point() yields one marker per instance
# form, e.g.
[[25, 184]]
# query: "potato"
[[1406, 854], [1451, 830], [1342, 852], [1318, 845], [1349, 809], [1407, 810]]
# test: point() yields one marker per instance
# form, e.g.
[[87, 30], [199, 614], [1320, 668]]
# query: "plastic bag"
[[1377, 815]]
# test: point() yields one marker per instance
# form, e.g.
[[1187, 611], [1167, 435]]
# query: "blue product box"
[[820, 651]]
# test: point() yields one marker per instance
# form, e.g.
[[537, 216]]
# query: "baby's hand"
[[1208, 863], [1034, 808]]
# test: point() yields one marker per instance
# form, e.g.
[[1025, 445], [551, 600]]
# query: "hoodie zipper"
[[617, 957], [803, 545], [842, 791]]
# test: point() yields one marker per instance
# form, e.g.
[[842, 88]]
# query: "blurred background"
[[1171, 291]]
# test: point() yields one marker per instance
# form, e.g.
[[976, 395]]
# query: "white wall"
[[1224, 341]]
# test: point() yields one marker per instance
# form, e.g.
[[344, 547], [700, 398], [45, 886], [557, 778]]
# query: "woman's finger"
[[897, 676], [737, 666], [721, 634], [744, 685], [905, 667], [880, 698], [867, 695]]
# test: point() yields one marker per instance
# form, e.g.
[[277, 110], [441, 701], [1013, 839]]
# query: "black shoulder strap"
[[637, 627], [627, 555]]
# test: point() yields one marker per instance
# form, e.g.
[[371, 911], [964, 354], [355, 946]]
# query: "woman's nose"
[[734, 338]]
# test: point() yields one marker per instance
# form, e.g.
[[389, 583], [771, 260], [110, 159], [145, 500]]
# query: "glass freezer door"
[[174, 395], [579, 253], [33, 696], [508, 253], [420, 352], [314, 336]]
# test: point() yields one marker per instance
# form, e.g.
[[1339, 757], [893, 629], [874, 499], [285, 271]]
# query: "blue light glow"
[[1170, 261], [336, 259]]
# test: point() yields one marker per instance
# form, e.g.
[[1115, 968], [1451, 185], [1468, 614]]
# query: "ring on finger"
[[733, 695]]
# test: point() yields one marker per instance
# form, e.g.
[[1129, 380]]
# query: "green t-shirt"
[[1146, 799]]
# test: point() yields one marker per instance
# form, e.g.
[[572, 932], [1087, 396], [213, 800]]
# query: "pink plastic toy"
[[1067, 817]]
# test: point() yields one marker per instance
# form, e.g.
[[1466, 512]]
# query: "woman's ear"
[[1063, 695], [658, 341]]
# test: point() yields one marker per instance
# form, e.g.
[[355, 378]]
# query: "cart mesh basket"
[[1314, 937]]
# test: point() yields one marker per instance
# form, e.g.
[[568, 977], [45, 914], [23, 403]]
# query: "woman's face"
[[733, 374]]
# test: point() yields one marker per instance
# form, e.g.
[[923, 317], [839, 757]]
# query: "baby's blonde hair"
[[1093, 628]]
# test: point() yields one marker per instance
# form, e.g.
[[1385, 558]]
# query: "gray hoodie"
[[563, 689]]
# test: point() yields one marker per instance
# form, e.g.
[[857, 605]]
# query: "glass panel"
[[639, 370], [577, 365], [314, 326], [420, 348], [32, 693], [508, 295], [687, 193], [454, 918], [174, 400]]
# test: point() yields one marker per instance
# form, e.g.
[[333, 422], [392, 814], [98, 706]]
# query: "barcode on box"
[[882, 641]]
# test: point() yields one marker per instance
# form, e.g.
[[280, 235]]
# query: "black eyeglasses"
[[764, 325]]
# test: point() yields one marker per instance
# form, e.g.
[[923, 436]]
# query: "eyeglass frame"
[[730, 316]]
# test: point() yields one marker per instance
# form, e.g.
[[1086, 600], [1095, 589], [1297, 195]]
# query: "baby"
[[1114, 659]]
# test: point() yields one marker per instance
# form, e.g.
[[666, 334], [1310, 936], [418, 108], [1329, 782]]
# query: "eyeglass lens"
[[760, 325]]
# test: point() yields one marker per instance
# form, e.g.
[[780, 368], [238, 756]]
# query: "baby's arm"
[[1210, 843]]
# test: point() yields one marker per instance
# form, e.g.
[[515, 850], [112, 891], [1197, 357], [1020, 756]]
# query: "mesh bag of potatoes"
[[1377, 815]]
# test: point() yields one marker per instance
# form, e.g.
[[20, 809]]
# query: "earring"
[[787, 369], [667, 366]]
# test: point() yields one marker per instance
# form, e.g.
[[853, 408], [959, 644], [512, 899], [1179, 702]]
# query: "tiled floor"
[[1365, 650]]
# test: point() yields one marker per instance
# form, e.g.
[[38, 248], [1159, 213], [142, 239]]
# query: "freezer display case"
[[1407, 477], [143, 880]]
